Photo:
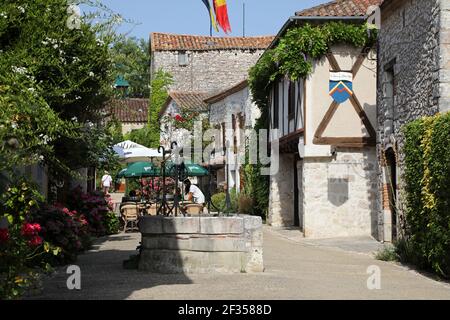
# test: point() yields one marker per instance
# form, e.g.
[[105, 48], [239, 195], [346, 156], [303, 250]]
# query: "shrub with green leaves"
[[427, 187]]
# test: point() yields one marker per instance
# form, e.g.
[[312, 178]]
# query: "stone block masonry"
[[201, 244], [207, 71]]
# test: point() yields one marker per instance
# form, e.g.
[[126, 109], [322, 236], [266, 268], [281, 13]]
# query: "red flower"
[[4, 235], [179, 118], [37, 227], [30, 229], [35, 241]]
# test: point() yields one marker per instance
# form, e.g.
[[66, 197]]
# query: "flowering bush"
[[67, 229], [96, 209], [22, 247]]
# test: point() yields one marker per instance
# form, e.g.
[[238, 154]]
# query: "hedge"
[[427, 187]]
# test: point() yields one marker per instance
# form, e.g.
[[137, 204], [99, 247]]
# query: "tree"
[[54, 81], [149, 136], [131, 59]]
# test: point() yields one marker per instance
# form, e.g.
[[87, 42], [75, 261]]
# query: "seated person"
[[193, 193], [132, 197]]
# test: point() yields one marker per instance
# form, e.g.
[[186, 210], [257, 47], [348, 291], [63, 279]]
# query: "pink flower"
[[4, 235], [35, 241]]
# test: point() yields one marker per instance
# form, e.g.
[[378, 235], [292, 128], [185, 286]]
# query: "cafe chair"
[[130, 216]]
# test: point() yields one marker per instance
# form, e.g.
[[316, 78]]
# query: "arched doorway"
[[391, 179]]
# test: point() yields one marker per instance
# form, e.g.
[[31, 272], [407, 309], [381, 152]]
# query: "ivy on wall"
[[427, 188]]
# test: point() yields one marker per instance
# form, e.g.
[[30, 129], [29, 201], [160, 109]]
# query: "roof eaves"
[[222, 95]]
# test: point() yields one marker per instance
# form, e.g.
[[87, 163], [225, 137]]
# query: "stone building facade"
[[205, 64], [413, 81], [326, 182], [231, 112]]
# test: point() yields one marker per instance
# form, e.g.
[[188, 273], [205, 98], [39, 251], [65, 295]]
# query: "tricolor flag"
[[220, 7], [211, 15]]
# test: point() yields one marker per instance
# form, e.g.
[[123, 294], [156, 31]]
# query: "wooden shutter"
[[276, 105]]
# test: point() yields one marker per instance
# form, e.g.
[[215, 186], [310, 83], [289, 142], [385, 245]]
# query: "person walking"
[[106, 182]]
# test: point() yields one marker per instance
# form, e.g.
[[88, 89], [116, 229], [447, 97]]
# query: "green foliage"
[[54, 82], [149, 136], [388, 253], [427, 187], [111, 223], [131, 59], [144, 136], [114, 130], [219, 200]]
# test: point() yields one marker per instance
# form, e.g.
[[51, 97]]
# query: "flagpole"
[[243, 19]]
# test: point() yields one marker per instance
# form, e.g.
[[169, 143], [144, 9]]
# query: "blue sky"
[[263, 17]]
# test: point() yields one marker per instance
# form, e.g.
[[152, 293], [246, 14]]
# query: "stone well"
[[201, 244]]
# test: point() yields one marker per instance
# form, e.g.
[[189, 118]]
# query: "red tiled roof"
[[340, 8], [129, 110], [222, 95], [172, 42], [193, 101]]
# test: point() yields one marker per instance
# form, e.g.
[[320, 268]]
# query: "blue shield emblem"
[[341, 86]]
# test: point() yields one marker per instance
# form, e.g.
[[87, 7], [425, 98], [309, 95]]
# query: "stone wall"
[[130, 126], [281, 198], [339, 194], [201, 244], [207, 71], [444, 100], [413, 78]]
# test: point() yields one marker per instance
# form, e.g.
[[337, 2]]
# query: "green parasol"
[[139, 169], [190, 169]]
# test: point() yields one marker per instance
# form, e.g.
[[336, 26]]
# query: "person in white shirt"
[[106, 182], [193, 193]]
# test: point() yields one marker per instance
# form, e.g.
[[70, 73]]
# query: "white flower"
[[55, 46], [32, 90], [100, 42], [74, 119], [21, 9], [77, 97], [3, 15], [41, 158], [13, 125], [91, 74], [19, 70]]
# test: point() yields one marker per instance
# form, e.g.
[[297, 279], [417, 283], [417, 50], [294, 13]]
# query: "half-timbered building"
[[326, 181]]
